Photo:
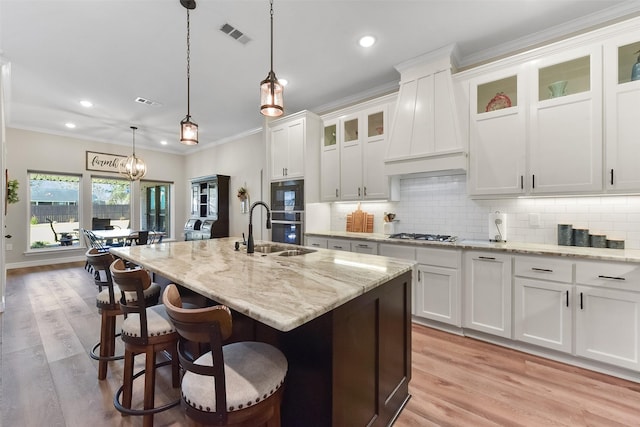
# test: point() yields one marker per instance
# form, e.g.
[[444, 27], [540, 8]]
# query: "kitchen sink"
[[267, 249], [295, 252]]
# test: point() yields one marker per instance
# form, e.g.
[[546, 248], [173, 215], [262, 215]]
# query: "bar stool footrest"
[[129, 411], [95, 356]]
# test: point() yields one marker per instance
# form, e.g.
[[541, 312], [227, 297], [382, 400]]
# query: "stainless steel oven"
[[287, 227], [287, 196]]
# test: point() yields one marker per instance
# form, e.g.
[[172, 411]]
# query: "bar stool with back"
[[238, 384], [148, 330]]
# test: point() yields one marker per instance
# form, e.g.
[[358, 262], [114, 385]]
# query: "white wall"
[[29, 151], [244, 161], [441, 205]]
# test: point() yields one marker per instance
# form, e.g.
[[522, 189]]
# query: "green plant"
[[39, 244], [34, 220], [12, 191], [243, 193]]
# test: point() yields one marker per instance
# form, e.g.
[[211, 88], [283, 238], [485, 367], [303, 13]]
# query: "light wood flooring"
[[48, 378]]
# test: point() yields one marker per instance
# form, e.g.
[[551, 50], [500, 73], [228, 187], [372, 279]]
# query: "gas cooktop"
[[424, 236]]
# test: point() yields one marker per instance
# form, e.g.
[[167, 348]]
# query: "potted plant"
[[243, 195], [12, 191]]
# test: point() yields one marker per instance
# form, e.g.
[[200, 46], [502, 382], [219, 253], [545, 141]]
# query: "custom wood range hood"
[[426, 134]]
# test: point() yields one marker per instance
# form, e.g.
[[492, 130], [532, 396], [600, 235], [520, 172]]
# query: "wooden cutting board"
[[359, 221]]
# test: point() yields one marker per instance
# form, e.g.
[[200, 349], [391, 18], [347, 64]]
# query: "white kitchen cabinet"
[[364, 247], [565, 142], [316, 242], [622, 104], [437, 289], [339, 244], [294, 148], [608, 313], [425, 135], [397, 251], [487, 292], [330, 162], [543, 302], [353, 168], [497, 134]]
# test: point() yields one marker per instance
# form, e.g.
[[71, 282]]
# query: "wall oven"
[[287, 227], [287, 211]]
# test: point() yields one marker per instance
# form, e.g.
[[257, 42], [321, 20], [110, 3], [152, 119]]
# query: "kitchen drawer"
[[450, 258], [618, 275], [397, 251], [544, 268], [339, 244], [364, 247], [317, 242]]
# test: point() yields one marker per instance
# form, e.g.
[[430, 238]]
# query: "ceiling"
[[113, 51]]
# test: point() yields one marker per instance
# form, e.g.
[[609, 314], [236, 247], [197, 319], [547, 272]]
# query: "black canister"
[[615, 244], [581, 237], [598, 240], [565, 234]]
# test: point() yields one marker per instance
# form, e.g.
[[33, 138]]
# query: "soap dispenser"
[[635, 70]]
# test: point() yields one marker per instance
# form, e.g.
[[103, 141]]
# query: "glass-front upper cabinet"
[[350, 130], [497, 94], [375, 124], [565, 78], [628, 62], [330, 135]]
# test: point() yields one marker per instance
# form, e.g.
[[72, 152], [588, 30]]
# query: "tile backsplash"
[[440, 204]]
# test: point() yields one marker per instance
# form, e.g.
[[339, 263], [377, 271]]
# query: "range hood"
[[426, 134]]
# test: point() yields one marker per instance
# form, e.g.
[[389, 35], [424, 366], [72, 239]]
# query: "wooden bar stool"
[[108, 303], [238, 384], [146, 329]]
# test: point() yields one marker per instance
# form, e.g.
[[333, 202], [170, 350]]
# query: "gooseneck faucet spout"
[[250, 246]]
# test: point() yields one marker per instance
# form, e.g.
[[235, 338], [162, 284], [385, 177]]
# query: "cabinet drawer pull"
[[315, 244], [611, 277], [362, 245], [490, 258], [337, 247], [543, 270]]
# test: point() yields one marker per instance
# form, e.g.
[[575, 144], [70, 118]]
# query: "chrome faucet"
[[250, 247]]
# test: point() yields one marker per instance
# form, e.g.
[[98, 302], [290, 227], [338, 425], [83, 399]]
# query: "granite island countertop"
[[603, 254], [281, 292]]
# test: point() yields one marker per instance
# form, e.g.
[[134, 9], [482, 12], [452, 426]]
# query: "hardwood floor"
[[48, 378]]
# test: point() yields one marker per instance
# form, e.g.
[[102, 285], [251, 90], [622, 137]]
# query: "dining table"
[[124, 235]]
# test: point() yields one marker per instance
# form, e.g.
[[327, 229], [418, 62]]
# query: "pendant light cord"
[[188, 66], [133, 128], [271, 12]]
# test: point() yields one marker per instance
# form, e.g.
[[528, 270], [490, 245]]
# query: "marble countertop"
[[282, 292], [603, 254]]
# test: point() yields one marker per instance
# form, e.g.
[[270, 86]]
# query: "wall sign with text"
[[103, 162]]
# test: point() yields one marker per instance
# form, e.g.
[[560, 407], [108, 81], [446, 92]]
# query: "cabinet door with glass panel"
[[330, 162], [622, 110], [565, 127], [374, 182], [497, 134], [351, 158]]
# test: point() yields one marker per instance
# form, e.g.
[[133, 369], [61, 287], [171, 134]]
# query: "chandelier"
[[271, 102], [133, 167]]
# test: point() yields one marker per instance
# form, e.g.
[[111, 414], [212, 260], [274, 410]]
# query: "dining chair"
[[145, 330], [239, 384]]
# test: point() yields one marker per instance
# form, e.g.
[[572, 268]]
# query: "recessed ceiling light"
[[367, 41], [70, 125], [86, 104], [163, 142]]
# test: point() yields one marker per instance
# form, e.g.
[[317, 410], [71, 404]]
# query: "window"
[[155, 206], [54, 201], [111, 203]]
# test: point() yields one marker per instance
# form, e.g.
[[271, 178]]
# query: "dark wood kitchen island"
[[342, 319]]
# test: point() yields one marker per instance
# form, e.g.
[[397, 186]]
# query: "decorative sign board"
[[103, 162]]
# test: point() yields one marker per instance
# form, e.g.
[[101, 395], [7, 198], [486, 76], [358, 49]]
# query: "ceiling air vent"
[[145, 101], [234, 33]]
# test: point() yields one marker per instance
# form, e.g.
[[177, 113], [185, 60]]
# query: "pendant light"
[[188, 129], [133, 167], [271, 102]]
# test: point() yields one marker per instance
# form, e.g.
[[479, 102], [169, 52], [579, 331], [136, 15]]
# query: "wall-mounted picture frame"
[[103, 162]]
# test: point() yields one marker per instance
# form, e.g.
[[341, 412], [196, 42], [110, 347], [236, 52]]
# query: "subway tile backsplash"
[[440, 205]]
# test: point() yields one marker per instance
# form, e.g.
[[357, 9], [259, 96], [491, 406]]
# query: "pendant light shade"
[[188, 129], [271, 91], [133, 167]]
